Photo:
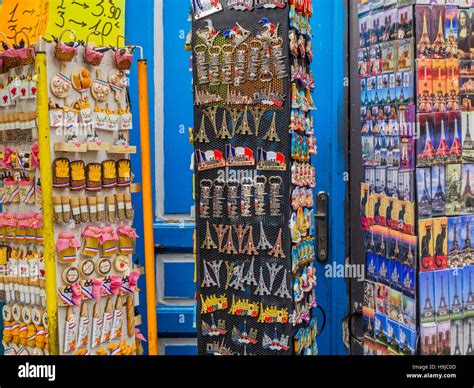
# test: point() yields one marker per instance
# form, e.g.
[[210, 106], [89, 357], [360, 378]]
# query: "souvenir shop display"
[[90, 121], [254, 137], [416, 199]]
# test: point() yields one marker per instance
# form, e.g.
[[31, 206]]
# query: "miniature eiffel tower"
[[237, 275], [230, 271], [216, 268], [234, 115], [250, 247], [439, 45], [202, 135], [249, 279], [257, 114], [283, 292], [224, 130], [443, 308], [241, 232], [456, 303], [424, 46], [273, 269], [457, 348], [272, 134], [470, 349], [211, 114], [428, 308], [208, 242], [229, 247], [207, 281], [262, 287], [221, 231], [277, 250], [263, 244], [443, 149], [244, 128]]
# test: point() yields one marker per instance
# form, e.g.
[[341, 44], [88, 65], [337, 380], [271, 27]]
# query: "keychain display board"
[[255, 278], [22, 275], [90, 120], [89, 124], [426, 50]]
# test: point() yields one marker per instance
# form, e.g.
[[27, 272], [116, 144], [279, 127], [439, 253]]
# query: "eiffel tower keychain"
[[246, 197], [249, 279], [229, 265], [277, 250], [241, 231], [208, 241], [272, 134], [250, 246], [262, 289], [257, 114], [221, 231], [229, 247], [208, 281], [224, 130], [273, 270], [275, 195], [211, 114], [233, 198], [202, 137], [263, 244], [235, 114], [215, 266], [244, 128], [282, 291]]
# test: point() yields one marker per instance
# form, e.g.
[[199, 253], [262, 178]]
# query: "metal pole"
[[147, 207], [47, 196]]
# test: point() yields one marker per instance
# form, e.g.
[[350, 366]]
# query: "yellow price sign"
[[85, 16], [28, 16]]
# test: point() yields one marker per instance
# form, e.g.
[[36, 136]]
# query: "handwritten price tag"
[[85, 16], [28, 16]]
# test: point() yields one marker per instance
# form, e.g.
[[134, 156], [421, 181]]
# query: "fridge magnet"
[[380, 329], [467, 120], [467, 234], [453, 189], [409, 313], [440, 232], [426, 245], [451, 31], [425, 85], [452, 85], [427, 312], [405, 55], [441, 292], [455, 282], [467, 193], [439, 85], [464, 34], [425, 150], [438, 190], [423, 178], [393, 336], [203, 8], [457, 338], [407, 341], [437, 16], [429, 334], [61, 173], [468, 337], [454, 138], [468, 291], [423, 32], [455, 242], [444, 338]]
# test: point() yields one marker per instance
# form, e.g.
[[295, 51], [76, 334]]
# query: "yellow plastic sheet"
[[85, 16], [28, 16]]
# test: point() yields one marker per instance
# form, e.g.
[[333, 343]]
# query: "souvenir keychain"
[[70, 335], [97, 324], [61, 85], [118, 82], [100, 89], [218, 198]]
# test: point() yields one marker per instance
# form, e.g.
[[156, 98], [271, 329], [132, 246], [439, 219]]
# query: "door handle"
[[322, 222]]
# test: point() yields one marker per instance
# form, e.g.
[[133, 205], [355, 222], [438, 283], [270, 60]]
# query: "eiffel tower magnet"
[[208, 241], [257, 114], [277, 250], [272, 134], [224, 133], [250, 247], [211, 114], [201, 137], [244, 128]]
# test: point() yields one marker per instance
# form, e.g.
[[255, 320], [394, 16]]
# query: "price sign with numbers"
[[85, 16], [28, 16]]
